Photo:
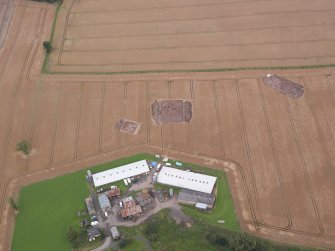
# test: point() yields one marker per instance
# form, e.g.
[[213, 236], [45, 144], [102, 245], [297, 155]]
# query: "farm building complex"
[[184, 179], [119, 173]]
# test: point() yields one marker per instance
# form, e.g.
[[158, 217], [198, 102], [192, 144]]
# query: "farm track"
[[182, 142]]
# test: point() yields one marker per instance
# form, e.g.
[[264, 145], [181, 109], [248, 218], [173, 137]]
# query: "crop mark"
[[273, 148], [302, 160], [221, 145], [12, 42], [147, 110], [194, 117], [54, 131], [102, 112], [251, 167], [34, 116], [78, 121]]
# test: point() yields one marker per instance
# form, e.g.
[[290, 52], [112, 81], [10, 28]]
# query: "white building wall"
[[179, 178], [120, 173]]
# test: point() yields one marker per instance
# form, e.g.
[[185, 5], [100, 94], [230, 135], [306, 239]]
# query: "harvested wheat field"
[[6, 10], [278, 151], [142, 35]]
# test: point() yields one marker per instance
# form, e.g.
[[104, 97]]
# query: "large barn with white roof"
[[190, 180], [120, 173]]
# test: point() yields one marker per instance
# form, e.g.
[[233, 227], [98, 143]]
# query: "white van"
[[159, 167], [125, 182], [168, 164]]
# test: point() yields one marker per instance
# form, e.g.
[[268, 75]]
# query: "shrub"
[[124, 242], [23, 146], [13, 204], [47, 46], [242, 242], [216, 239]]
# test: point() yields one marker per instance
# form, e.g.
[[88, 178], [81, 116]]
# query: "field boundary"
[[47, 71]]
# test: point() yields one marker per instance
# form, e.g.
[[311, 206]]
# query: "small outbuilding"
[[89, 205], [114, 192], [115, 233], [104, 202]]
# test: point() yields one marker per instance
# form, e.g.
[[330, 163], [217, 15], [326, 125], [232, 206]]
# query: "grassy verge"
[[45, 64], [48, 208], [252, 68]]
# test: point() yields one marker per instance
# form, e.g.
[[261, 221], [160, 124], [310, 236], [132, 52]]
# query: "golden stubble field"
[[147, 35], [278, 152]]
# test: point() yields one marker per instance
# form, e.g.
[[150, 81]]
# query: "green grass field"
[[48, 208]]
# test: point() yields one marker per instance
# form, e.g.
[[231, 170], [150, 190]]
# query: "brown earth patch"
[[284, 86], [171, 111], [128, 126]]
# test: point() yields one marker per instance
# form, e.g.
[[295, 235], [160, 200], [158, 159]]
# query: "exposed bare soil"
[[127, 126], [285, 86], [171, 111], [142, 35], [279, 153]]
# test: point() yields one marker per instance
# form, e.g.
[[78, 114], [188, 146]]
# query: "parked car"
[[121, 204], [129, 181], [168, 164], [125, 182], [94, 223]]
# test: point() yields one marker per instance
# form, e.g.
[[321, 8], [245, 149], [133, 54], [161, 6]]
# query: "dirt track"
[[109, 36], [278, 152]]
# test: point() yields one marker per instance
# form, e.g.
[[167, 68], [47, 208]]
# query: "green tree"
[[13, 204], [216, 239], [23, 146], [47, 46], [242, 242]]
